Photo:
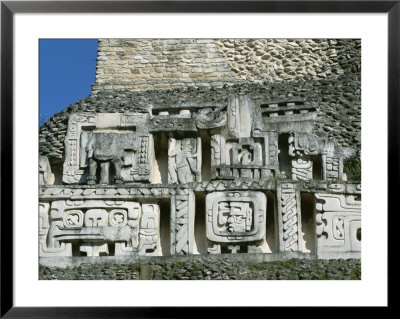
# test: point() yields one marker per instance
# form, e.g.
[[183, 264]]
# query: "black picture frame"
[[9, 8]]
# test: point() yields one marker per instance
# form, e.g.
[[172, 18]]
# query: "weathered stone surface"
[[46, 177], [91, 225], [208, 268], [289, 217], [338, 224], [93, 147], [196, 147], [235, 217]]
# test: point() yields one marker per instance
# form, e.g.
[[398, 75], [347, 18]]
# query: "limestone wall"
[[170, 63]]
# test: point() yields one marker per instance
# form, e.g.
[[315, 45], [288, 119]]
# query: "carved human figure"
[[182, 162], [105, 149], [245, 158]]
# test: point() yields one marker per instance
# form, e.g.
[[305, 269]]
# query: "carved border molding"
[[182, 222], [338, 220], [289, 217], [51, 192]]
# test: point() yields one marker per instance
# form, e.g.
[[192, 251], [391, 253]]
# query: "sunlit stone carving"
[[235, 217]]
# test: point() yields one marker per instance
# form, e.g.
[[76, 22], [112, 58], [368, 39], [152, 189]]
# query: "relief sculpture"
[[184, 160], [235, 218], [104, 150], [338, 223]]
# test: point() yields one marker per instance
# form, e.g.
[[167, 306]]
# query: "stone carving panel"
[[92, 225], [98, 144], [304, 144], [209, 118], [73, 171], [182, 222], [149, 230], [240, 158], [333, 168], [163, 123], [302, 169], [234, 218], [338, 223], [46, 177], [184, 160], [289, 217]]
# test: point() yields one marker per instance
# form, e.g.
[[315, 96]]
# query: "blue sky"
[[67, 69]]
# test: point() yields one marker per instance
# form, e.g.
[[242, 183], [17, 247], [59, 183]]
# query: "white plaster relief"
[[96, 143], [289, 217], [302, 169], [235, 217], [338, 223], [93, 224], [184, 160]]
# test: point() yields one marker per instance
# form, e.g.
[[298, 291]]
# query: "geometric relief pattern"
[[98, 143], [302, 169], [182, 222], [289, 217], [92, 225], [332, 168], [338, 222], [235, 217]]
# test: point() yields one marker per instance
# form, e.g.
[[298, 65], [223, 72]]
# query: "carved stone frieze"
[[304, 144], [46, 177], [209, 118], [184, 160], [338, 223], [302, 169], [235, 217], [135, 183], [97, 144], [182, 222], [243, 157], [332, 168], [289, 217], [92, 225], [172, 124]]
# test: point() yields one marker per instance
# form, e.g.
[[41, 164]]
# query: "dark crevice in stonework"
[[272, 223], [283, 156], [161, 155], [165, 226], [200, 237], [317, 167], [308, 222]]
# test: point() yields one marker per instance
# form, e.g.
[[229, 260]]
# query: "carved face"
[[187, 146], [240, 217], [236, 223]]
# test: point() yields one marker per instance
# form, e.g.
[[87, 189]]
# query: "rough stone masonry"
[[206, 147]]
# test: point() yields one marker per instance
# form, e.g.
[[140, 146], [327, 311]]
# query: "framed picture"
[[371, 27]]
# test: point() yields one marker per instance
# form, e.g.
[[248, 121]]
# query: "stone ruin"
[[216, 162]]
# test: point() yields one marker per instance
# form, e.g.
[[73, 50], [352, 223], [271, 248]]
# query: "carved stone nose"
[[96, 217]]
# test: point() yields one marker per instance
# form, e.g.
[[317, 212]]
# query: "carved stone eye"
[[118, 217], [73, 218]]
